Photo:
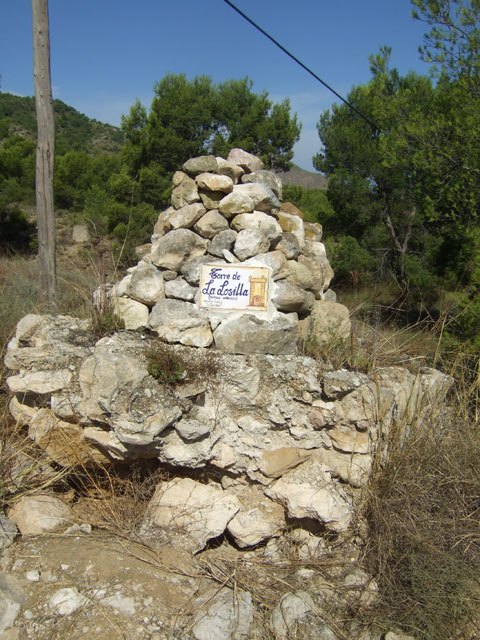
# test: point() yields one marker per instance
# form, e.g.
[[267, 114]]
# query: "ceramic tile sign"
[[234, 287]]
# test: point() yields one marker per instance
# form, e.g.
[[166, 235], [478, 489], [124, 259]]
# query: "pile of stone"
[[229, 212]]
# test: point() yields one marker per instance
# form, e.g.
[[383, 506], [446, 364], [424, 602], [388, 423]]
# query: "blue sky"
[[107, 53]]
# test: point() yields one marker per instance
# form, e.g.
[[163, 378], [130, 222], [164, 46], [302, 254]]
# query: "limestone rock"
[[268, 178], [185, 190], [177, 452], [80, 234], [180, 289], [329, 323], [350, 440], [211, 199], [163, 223], [276, 462], [292, 610], [22, 413], [8, 532], [214, 182], [210, 224], [292, 224], [239, 201], [39, 381], [289, 245], [133, 314], [192, 430], [224, 240], [179, 321], [274, 260], [12, 596], [287, 298], [260, 221], [352, 468], [338, 383], [186, 216], [299, 275], [249, 243], [308, 492], [191, 269], [291, 209], [174, 249], [195, 511], [246, 160], [146, 284], [313, 231], [35, 514], [223, 615], [65, 601], [321, 273], [230, 169], [249, 334], [259, 519], [202, 164]]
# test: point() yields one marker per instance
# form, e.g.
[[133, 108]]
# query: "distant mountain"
[[302, 178], [73, 130]]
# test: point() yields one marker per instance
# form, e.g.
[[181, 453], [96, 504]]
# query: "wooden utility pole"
[[45, 151]]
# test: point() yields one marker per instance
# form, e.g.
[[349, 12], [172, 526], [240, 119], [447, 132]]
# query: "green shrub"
[[17, 233], [353, 264]]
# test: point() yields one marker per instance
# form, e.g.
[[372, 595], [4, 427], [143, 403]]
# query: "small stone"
[[80, 234], [289, 245], [65, 601], [192, 430], [146, 284], [223, 615], [40, 514], [276, 462], [289, 298], [292, 609]]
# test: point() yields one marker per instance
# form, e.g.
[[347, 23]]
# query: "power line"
[[301, 64]]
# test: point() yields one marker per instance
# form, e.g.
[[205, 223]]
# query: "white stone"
[[121, 603], [223, 615], [66, 601], [246, 160], [210, 224], [80, 234], [39, 514], [39, 381], [176, 247], [268, 178], [259, 221], [214, 182], [309, 492], [292, 224], [250, 242], [231, 169], [292, 609], [179, 321], [192, 430], [249, 334], [180, 289], [195, 511], [134, 314], [186, 217]]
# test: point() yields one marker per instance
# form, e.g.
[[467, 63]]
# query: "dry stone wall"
[[281, 438], [228, 212]]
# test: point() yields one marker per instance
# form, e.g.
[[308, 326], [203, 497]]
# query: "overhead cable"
[[301, 64]]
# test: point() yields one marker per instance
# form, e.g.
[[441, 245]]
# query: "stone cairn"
[[229, 212], [277, 436]]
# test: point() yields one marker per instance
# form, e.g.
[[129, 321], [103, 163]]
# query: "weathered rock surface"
[[40, 514], [197, 512], [223, 615]]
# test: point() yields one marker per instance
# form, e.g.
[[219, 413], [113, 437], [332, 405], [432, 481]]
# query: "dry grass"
[[423, 511]]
